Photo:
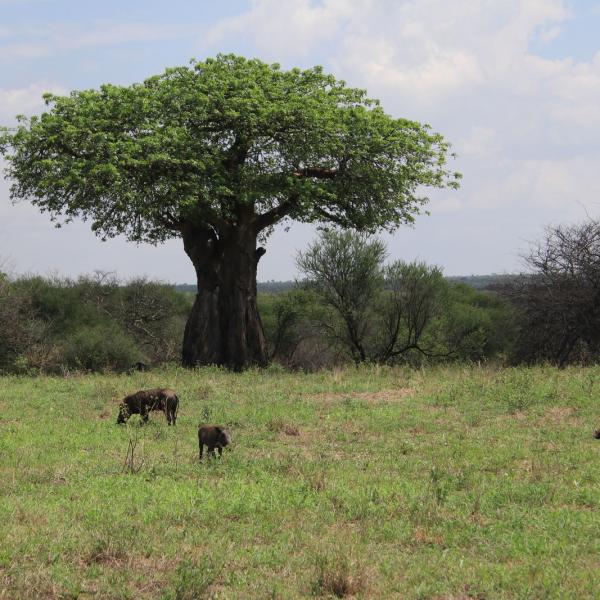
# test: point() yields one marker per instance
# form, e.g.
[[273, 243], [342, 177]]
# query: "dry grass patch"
[[388, 395], [340, 577], [422, 537], [523, 418], [291, 430], [459, 597], [318, 481], [560, 414], [152, 575], [278, 425]]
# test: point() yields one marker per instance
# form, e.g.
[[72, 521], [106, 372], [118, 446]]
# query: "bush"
[[18, 328], [478, 324], [154, 314], [99, 348], [558, 305], [93, 323]]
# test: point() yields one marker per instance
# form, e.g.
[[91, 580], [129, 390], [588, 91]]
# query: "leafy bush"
[[18, 328], [99, 348], [92, 323]]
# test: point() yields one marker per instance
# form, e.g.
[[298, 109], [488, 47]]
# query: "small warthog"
[[142, 402], [212, 436]]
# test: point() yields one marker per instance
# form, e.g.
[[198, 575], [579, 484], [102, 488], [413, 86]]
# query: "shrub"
[[99, 348], [558, 304], [50, 324]]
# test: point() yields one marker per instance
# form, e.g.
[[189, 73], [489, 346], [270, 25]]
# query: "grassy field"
[[373, 483]]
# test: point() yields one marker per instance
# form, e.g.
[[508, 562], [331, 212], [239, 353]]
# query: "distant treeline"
[[265, 287], [479, 282], [486, 282]]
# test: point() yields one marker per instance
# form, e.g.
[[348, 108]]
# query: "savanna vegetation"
[[558, 306], [90, 324], [98, 324], [353, 305], [369, 482]]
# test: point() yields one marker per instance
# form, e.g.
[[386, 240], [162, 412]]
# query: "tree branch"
[[316, 172], [236, 155], [274, 215], [330, 217]]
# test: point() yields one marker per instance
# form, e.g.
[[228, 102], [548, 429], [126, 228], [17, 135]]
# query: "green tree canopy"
[[195, 142]]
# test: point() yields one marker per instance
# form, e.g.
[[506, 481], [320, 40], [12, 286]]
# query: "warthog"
[[142, 402], [212, 436]]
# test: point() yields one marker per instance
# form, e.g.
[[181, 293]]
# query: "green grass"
[[378, 483]]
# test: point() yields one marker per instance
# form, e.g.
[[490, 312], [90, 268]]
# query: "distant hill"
[[274, 287], [482, 282], [264, 287], [479, 282], [186, 288]]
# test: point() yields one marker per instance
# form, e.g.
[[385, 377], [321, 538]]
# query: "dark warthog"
[[212, 437], [142, 402]]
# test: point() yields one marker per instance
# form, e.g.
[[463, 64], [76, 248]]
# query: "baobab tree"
[[217, 153]]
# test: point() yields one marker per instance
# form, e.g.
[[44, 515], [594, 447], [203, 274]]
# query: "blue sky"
[[578, 35], [121, 42], [513, 84]]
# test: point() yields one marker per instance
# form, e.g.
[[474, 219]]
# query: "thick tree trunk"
[[224, 327]]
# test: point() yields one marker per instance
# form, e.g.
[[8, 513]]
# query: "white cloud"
[[549, 34], [54, 38], [107, 34], [479, 142], [25, 101], [284, 29]]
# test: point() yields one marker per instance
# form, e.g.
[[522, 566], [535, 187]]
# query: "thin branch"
[[329, 217]]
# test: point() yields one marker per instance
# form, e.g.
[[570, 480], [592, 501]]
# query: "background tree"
[[558, 305], [412, 299], [397, 312], [344, 270], [284, 316], [218, 153], [377, 312]]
